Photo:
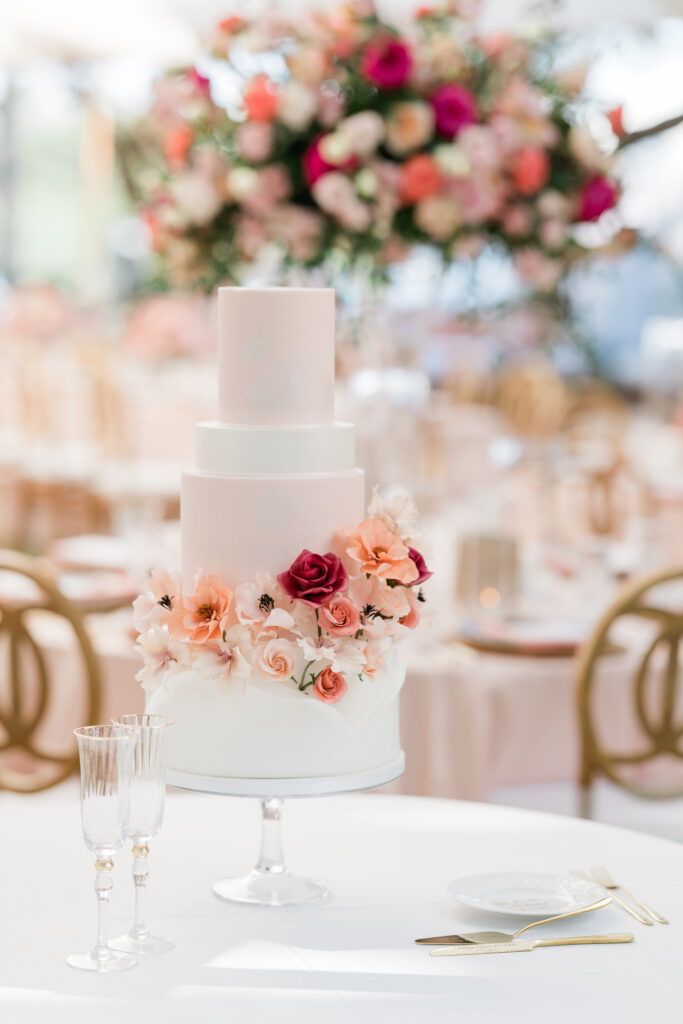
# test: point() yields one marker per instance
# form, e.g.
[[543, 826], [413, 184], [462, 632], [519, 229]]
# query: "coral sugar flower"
[[381, 553], [206, 609]]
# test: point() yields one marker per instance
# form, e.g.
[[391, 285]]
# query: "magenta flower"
[[420, 565], [315, 164], [313, 578], [597, 195], [454, 107], [387, 63]]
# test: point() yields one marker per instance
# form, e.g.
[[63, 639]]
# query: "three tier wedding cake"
[[275, 650]]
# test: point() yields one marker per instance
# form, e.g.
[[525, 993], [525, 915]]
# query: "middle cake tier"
[[236, 526]]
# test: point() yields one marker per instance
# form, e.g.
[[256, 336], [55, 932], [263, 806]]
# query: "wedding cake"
[[275, 650]]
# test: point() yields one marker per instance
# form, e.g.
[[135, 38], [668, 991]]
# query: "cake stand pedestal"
[[270, 884]]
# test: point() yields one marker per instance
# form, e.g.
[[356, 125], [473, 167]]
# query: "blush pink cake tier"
[[274, 474]]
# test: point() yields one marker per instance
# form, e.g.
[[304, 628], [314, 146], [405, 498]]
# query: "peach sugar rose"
[[275, 659], [204, 612], [339, 616], [330, 687], [381, 553]]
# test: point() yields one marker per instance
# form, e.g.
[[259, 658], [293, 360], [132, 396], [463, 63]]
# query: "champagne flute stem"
[[271, 859], [140, 875], [103, 886]]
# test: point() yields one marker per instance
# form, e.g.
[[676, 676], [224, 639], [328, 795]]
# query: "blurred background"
[[494, 189]]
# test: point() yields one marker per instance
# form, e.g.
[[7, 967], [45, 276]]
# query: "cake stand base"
[[270, 884]]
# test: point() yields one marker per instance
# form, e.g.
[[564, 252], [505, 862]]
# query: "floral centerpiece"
[[322, 624], [354, 139]]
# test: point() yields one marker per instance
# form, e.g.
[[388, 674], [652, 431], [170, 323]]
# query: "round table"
[[387, 859]]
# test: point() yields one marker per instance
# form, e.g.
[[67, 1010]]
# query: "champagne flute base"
[[116, 961], [144, 944]]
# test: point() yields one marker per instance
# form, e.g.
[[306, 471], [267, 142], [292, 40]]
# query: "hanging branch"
[[646, 133]]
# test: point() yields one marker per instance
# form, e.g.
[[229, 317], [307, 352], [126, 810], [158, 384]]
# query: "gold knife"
[[471, 949]]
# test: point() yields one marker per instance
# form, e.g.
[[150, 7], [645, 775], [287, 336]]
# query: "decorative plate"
[[521, 894]]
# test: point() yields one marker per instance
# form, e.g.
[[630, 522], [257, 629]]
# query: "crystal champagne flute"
[[106, 756], [148, 791]]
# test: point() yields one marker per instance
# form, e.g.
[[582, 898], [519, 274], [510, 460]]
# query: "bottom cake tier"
[[274, 732]]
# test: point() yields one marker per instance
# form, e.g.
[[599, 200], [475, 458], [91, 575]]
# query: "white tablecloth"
[[387, 860]]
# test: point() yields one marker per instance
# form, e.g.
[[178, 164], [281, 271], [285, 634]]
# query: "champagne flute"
[[106, 756], [148, 791]]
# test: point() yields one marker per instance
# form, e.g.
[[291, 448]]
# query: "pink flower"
[[261, 99], [315, 165], [254, 140], [200, 82], [517, 221], [530, 170], [206, 609], [387, 62], [374, 662], [454, 107], [597, 195], [538, 270], [313, 578], [340, 617], [298, 229], [330, 687], [381, 553], [481, 147], [275, 659], [421, 566]]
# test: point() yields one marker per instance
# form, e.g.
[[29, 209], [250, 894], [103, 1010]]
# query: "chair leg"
[[585, 794]]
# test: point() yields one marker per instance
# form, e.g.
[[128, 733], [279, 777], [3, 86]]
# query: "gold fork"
[[617, 899], [603, 878]]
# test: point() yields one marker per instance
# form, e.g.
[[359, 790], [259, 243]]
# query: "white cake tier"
[[275, 732], [276, 356], [275, 451], [236, 526]]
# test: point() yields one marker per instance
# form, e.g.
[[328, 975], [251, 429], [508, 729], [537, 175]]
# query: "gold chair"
[[33, 761], [656, 713]]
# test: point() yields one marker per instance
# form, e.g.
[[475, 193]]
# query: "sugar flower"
[[158, 603], [313, 578], [330, 687], [274, 659], [224, 661], [340, 616], [206, 610], [381, 552], [162, 655]]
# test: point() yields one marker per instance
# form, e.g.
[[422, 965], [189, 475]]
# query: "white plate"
[[522, 894]]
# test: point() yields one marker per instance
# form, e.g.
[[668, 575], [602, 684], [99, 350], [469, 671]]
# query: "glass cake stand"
[[270, 883]]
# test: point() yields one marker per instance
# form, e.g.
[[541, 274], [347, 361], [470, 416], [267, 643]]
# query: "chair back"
[[648, 706], [37, 747]]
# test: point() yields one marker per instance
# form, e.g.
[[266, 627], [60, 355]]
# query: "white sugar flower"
[[349, 657], [157, 603], [225, 662], [162, 655], [398, 513], [317, 650]]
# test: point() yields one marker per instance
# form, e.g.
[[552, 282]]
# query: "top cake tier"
[[276, 356]]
